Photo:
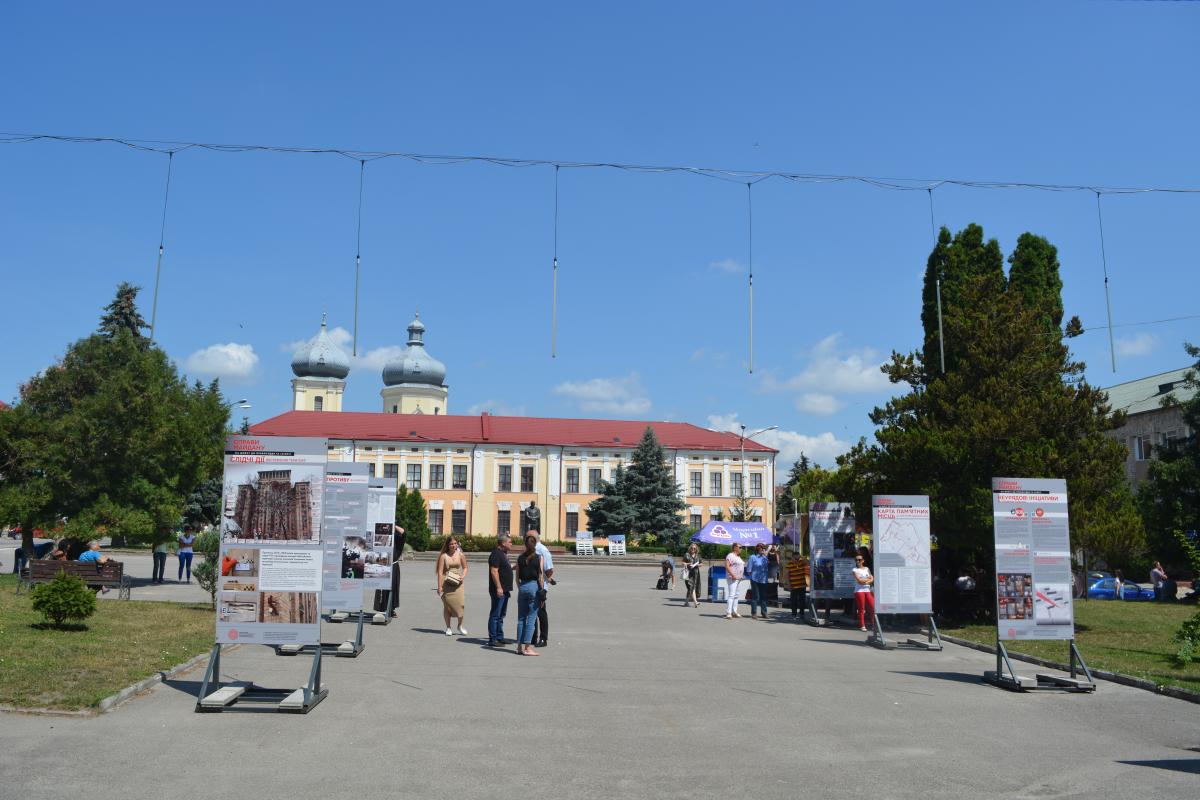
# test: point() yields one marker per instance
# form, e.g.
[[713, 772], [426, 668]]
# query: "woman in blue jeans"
[[185, 542], [530, 586]]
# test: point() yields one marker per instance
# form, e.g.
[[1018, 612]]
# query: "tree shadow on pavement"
[[1189, 765]]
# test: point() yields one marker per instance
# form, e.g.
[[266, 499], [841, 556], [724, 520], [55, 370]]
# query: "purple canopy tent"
[[745, 533]]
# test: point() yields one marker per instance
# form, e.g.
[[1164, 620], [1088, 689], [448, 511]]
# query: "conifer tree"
[[122, 314], [653, 492]]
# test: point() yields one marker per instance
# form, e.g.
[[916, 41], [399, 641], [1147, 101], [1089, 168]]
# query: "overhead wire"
[[554, 280]]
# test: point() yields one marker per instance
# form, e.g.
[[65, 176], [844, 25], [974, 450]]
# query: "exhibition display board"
[[831, 547], [903, 580], [1033, 559], [269, 581], [349, 546], [381, 517]]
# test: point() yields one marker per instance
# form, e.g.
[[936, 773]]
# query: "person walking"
[[159, 554], [1158, 577], [772, 564], [758, 570], [735, 570], [1119, 580], [185, 541], [691, 580], [451, 572], [541, 628], [864, 598], [500, 586], [530, 590]]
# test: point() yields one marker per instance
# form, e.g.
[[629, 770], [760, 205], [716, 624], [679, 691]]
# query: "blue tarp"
[[745, 533]]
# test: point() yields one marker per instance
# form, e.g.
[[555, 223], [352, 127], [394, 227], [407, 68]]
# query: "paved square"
[[636, 697]]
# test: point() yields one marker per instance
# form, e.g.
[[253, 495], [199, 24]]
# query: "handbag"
[[452, 578]]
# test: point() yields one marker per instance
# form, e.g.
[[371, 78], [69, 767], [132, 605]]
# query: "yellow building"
[[478, 473]]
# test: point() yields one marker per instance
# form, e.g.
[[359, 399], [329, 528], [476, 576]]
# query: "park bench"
[[96, 576]]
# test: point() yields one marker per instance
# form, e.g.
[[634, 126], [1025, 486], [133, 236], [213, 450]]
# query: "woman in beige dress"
[[451, 577]]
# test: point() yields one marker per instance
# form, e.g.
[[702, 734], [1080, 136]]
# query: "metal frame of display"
[[347, 649], [1006, 677], [932, 642], [228, 698]]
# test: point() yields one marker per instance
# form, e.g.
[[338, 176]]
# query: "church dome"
[[415, 365], [319, 357]]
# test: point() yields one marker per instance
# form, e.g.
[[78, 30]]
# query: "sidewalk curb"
[[112, 701], [1115, 677]]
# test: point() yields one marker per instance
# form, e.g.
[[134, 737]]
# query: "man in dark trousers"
[[500, 585], [541, 628], [383, 595]]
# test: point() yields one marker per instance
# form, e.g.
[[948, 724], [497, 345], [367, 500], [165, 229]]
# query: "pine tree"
[[122, 314], [787, 502], [954, 260], [653, 492], [612, 513], [1034, 277], [412, 515]]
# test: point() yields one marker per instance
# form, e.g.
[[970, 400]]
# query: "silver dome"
[[415, 365], [320, 357]]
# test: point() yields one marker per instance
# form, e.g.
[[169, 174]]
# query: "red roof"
[[488, 429]]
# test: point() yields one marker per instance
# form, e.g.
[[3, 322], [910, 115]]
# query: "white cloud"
[[823, 448], [817, 404], [832, 371], [232, 362], [496, 407], [620, 396], [727, 265], [371, 360], [1140, 344]]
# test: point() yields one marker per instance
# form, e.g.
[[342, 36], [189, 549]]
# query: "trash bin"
[[716, 584]]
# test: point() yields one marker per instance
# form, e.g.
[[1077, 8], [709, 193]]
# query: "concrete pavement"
[[636, 697]]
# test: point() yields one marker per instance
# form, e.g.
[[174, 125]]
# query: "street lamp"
[[243, 404], [742, 450]]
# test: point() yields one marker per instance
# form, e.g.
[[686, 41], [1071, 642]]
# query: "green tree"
[[203, 505], [110, 438], [1034, 277], [122, 314], [814, 486], [612, 513], [412, 515], [653, 492], [787, 502], [1170, 497], [206, 572], [1011, 402]]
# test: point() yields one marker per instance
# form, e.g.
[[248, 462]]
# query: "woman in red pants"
[[864, 599]]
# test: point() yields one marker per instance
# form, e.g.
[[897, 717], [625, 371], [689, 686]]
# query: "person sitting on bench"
[[93, 556]]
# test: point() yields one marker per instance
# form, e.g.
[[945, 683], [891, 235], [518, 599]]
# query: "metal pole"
[[161, 237], [941, 338]]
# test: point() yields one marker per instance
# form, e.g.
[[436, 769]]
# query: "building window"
[[1141, 448], [391, 471], [526, 479], [735, 484], [572, 480], [503, 521], [697, 484], [371, 469], [505, 484], [413, 480], [436, 519], [595, 476], [572, 524], [318, 403], [458, 521], [395, 409], [714, 484], [437, 476], [756, 484], [696, 521], [460, 476]]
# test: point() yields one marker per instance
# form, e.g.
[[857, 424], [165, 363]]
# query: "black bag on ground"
[[663, 582]]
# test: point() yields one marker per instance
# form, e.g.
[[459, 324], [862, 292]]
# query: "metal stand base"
[[1018, 683], [932, 643], [346, 649], [813, 617], [228, 698]]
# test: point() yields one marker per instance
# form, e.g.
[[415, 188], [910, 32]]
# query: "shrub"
[[205, 572], [63, 598]]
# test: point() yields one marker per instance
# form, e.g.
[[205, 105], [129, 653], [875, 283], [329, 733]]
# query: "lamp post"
[[243, 404], [742, 451]]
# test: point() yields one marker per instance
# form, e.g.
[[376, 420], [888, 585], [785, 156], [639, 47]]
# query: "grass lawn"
[[1130, 638], [124, 642]]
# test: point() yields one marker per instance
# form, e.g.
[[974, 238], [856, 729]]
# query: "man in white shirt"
[[541, 629]]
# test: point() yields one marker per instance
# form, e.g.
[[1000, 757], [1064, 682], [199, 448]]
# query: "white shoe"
[[449, 632], [728, 616], [863, 629], [737, 615], [462, 631]]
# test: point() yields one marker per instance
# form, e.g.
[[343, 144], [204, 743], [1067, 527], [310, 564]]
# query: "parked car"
[[1106, 589]]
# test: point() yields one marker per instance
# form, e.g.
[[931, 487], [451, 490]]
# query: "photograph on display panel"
[[272, 489]]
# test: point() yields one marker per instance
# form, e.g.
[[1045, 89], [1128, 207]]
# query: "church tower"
[[321, 368], [415, 382]]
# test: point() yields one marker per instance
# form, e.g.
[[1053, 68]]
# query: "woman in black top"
[[530, 586]]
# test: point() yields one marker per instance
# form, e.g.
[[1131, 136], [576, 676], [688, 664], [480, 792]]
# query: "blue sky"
[[652, 294]]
